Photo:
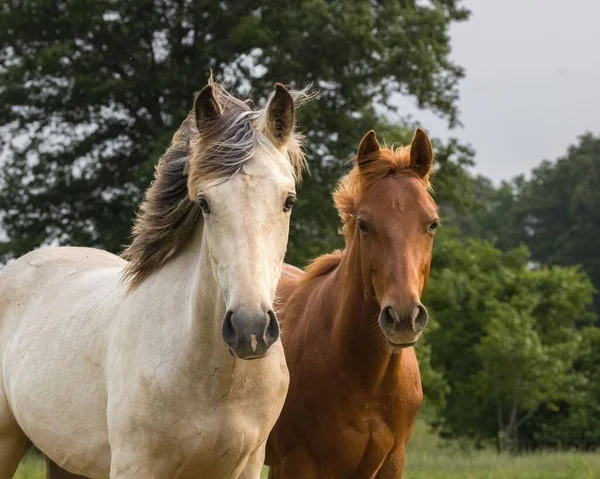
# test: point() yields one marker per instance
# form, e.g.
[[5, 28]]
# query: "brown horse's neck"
[[358, 338]]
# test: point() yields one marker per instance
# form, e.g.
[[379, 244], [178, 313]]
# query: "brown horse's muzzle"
[[403, 328]]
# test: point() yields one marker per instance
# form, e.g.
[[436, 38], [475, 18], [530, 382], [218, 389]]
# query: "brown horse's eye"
[[363, 227], [290, 201], [203, 204], [433, 226]]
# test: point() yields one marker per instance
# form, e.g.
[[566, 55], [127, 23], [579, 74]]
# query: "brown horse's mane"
[[385, 162], [168, 217], [322, 265]]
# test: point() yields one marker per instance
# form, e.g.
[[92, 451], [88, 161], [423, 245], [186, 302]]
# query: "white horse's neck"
[[189, 298], [207, 304]]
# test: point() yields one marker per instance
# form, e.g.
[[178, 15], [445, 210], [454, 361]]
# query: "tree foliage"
[[526, 372], [554, 213], [559, 209], [506, 340], [92, 91]]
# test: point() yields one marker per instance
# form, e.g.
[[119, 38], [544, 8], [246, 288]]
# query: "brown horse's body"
[[351, 404], [353, 399]]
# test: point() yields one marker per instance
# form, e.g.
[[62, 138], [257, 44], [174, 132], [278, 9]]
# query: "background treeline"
[[92, 91]]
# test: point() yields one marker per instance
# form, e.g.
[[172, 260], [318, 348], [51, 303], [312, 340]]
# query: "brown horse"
[[349, 324]]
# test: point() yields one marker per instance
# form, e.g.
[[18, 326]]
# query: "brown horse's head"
[[390, 221]]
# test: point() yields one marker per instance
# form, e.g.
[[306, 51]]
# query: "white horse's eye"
[[290, 201], [203, 204]]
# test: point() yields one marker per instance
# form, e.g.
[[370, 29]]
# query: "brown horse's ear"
[[366, 149], [206, 105], [421, 154], [281, 115]]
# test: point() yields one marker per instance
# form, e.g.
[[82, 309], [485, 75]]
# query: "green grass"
[[429, 457], [32, 467]]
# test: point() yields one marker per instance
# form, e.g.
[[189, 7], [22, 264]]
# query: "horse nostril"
[[420, 318], [272, 331], [249, 333], [388, 317], [228, 331]]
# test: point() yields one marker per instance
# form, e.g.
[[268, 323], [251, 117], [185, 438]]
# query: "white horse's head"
[[242, 174], [231, 172]]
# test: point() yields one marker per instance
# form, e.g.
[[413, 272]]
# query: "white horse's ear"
[[366, 149], [281, 115], [206, 106], [421, 154]]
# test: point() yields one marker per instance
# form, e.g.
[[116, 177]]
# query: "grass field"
[[428, 457]]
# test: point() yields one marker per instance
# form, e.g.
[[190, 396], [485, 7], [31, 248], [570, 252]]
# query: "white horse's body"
[[108, 362], [140, 384]]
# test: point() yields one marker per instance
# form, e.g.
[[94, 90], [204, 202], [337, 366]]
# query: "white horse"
[[134, 369]]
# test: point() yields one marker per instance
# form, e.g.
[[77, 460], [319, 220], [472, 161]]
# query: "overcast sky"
[[532, 81]]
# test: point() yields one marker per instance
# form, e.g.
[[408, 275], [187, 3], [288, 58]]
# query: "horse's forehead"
[[401, 192], [269, 166], [265, 174]]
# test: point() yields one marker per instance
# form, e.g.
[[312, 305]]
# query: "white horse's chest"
[[211, 416], [219, 446]]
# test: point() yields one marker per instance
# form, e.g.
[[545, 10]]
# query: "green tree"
[[574, 422], [435, 386], [506, 340], [91, 92], [554, 212], [494, 214], [559, 209]]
